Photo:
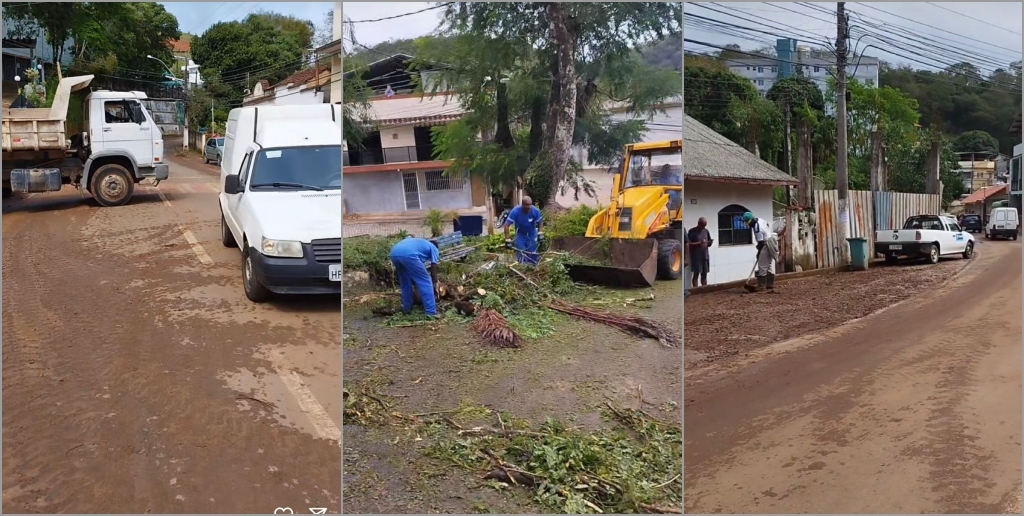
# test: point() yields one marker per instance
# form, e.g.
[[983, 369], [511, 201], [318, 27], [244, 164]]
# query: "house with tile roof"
[[722, 181], [394, 170], [307, 86]]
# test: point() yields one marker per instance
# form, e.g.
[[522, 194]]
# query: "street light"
[[165, 66]]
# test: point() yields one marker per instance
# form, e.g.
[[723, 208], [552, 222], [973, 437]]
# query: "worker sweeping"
[[529, 231], [415, 261], [767, 251]]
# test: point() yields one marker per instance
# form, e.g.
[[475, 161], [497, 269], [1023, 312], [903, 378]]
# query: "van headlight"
[[282, 248]]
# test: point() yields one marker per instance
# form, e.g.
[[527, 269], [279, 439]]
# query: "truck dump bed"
[[37, 129]]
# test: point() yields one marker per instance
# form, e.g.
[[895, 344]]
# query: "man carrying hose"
[[528, 222], [767, 251], [415, 261]]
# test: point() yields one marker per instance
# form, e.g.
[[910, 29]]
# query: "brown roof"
[[180, 46], [709, 156], [984, 193], [432, 119], [301, 76]]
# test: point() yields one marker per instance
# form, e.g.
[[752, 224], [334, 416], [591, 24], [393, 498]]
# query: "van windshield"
[[298, 168]]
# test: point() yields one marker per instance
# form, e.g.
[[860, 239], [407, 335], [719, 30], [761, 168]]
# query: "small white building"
[[721, 181]]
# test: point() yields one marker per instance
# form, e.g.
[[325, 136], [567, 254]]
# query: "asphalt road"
[[137, 378], [916, 409]]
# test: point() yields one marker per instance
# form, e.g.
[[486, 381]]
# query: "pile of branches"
[[494, 328], [631, 324]]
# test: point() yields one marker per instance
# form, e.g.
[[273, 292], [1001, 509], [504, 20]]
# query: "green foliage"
[[571, 222], [976, 141], [435, 220], [268, 42], [370, 255]]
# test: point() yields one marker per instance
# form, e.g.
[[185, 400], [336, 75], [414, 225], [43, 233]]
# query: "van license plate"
[[1000, 226], [895, 247], [334, 272]]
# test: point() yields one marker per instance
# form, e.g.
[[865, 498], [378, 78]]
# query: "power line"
[[989, 24], [395, 17]]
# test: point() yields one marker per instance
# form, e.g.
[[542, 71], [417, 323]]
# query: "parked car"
[[1002, 223], [972, 223], [281, 202], [925, 236], [214, 150]]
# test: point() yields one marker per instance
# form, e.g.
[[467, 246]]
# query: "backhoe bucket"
[[617, 262]]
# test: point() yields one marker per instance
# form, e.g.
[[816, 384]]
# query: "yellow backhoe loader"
[[638, 237]]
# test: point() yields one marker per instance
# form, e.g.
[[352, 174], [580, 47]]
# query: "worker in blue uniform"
[[529, 231], [415, 261]]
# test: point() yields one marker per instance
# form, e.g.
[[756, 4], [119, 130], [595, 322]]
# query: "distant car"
[[214, 150], [972, 223], [1002, 223]]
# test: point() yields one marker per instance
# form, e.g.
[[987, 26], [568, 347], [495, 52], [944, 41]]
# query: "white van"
[[281, 198], [1002, 223]]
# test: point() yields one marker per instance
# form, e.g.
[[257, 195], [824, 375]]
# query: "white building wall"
[[705, 199], [294, 96], [764, 76]]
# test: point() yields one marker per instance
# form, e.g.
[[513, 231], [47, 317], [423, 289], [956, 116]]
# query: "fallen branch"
[[658, 509], [489, 430], [494, 328], [631, 324]]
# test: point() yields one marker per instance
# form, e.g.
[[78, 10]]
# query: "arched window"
[[731, 228]]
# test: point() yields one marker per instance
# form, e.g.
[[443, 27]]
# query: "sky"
[[372, 33], [996, 41], [196, 17]]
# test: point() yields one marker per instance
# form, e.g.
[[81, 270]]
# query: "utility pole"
[[842, 170]]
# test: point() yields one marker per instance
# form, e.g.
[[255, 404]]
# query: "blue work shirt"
[[526, 222], [416, 248]]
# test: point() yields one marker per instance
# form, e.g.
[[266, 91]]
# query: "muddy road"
[[136, 376], [916, 409]]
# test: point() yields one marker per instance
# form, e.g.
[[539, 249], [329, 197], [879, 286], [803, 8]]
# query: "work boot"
[[761, 282], [770, 282]]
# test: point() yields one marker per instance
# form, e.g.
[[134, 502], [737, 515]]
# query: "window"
[[438, 181], [817, 69], [119, 112], [302, 168], [1015, 182], [760, 82], [243, 171], [731, 228], [775, 69], [411, 188], [869, 82], [954, 227], [760, 69]]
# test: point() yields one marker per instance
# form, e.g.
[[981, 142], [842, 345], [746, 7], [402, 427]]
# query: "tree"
[[263, 46], [976, 141], [570, 43], [325, 31], [562, 61]]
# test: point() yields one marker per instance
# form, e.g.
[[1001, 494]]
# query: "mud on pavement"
[[137, 378], [440, 369]]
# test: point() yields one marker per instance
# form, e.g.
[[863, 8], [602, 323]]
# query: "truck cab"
[[118, 124]]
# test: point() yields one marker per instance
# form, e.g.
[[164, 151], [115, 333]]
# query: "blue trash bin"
[[858, 254]]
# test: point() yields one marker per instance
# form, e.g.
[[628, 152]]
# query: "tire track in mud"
[[136, 420], [901, 410]]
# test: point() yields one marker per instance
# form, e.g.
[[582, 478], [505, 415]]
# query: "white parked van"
[[1002, 223], [281, 198]]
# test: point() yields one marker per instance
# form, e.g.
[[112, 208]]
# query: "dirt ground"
[[733, 322], [567, 376], [916, 409], [136, 376]]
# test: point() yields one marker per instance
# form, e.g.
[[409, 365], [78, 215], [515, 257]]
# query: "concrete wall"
[[294, 96], [399, 136], [377, 192], [705, 199], [444, 199]]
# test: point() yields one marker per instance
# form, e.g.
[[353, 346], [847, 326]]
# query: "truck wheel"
[[112, 185], [933, 254], [670, 259], [226, 237], [969, 251], [256, 292]]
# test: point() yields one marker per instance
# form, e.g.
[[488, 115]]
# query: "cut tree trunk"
[[565, 109]]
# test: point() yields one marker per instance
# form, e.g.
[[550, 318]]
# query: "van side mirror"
[[231, 185]]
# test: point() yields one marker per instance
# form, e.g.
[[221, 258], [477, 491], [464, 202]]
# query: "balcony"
[[411, 154]]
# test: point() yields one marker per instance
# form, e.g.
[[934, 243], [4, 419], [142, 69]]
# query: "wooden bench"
[[451, 248]]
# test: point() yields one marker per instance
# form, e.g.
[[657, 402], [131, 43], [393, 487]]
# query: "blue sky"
[[196, 17]]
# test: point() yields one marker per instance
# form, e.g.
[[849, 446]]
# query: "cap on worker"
[[747, 217]]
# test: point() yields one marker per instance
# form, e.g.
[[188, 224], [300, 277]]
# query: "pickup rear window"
[[923, 223]]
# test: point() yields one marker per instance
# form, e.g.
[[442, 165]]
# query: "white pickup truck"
[[925, 236]]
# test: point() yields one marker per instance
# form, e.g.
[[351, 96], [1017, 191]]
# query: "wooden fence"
[[869, 212]]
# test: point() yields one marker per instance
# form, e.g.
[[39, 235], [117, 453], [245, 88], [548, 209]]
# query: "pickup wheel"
[[255, 291], [969, 251], [226, 237], [112, 185], [933, 254]]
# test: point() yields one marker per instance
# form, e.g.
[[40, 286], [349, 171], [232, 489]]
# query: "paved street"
[[136, 376], [916, 409]]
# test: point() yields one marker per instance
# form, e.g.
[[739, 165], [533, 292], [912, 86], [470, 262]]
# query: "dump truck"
[[119, 147], [638, 237]]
